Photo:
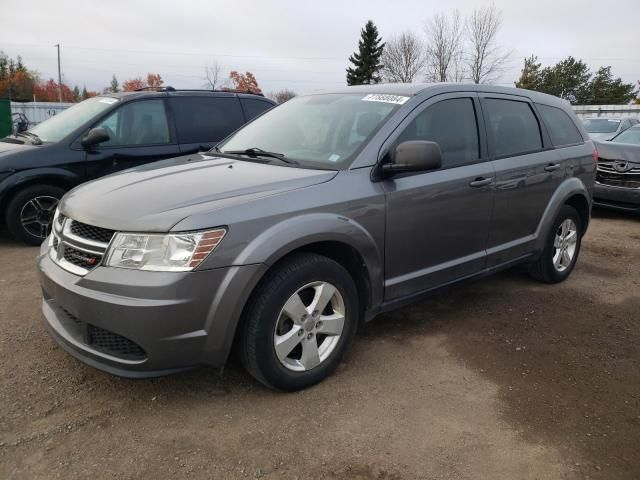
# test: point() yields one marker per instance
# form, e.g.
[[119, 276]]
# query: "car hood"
[[10, 146], [156, 197], [625, 152]]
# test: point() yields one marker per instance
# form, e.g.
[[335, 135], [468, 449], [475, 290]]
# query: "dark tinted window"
[[254, 107], [452, 125], [561, 128], [206, 119], [512, 126], [137, 123]]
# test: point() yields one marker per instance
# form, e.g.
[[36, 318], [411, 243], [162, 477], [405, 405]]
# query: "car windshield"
[[601, 125], [56, 128], [631, 135], [317, 131]]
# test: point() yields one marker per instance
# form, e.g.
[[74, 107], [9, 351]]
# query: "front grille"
[[114, 344], [608, 174], [90, 232], [78, 247]]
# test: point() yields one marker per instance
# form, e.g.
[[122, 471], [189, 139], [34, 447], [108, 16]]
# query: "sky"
[[295, 44]]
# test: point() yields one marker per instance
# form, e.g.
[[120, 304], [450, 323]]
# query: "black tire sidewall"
[[18, 201], [565, 213], [271, 369]]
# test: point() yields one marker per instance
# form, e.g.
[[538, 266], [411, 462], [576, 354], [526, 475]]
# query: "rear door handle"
[[481, 182], [552, 167]]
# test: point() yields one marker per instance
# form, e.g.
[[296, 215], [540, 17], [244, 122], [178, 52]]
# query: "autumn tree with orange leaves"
[[154, 80], [245, 81], [48, 92]]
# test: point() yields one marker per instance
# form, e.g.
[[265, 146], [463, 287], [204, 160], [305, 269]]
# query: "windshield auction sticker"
[[108, 100], [378, 97]]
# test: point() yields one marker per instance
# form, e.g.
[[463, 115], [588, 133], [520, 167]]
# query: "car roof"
[[414, 89], [184, 93]]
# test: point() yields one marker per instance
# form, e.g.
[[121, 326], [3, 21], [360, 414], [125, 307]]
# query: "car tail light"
[[595, 154]]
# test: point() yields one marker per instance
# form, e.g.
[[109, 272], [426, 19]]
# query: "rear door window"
[[254, 107], [512, 127], [206, 119], [561, 128]]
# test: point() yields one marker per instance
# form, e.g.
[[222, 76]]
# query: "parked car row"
[[106, 134], [319, 214]]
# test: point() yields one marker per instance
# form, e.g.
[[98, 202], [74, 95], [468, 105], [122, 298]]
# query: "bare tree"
[[445, 36], [282, 96], [213, 75], [486, 59], [403, 58]]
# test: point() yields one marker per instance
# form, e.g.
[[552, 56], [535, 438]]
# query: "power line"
[[159, 52]]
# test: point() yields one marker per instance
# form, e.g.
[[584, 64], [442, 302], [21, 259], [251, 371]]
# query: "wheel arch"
[[19, 181], [335, 237], [571, 192]]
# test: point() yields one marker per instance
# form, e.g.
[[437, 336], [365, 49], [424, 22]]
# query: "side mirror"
[[414, 156], [95, 136]]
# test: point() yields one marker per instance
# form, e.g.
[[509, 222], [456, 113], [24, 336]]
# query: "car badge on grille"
[[622, 166], [84, 258]]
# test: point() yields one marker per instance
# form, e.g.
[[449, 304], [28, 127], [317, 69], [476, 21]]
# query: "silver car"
[[317, 216]]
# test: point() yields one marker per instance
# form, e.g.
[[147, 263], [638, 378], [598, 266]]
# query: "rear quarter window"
[[254, 107], [513, 127], [561, 128], [206, 119]]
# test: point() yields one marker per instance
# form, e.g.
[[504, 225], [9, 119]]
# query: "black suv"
[[103, 135]]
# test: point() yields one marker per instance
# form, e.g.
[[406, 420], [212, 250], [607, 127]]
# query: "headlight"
[[174, 252]]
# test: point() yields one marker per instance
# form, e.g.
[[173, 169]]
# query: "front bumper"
[[617, 198], [141, 324]]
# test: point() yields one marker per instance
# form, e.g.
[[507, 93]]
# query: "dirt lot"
[[501, 379]]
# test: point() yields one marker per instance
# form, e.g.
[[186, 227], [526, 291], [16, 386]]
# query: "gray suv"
[[316, 216]]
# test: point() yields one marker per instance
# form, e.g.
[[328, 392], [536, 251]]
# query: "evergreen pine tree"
[[366, 62], [76, 94], [85, 95], [114, 85]]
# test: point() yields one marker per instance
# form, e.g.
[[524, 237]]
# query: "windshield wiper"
[[258, 152], [32, 136]]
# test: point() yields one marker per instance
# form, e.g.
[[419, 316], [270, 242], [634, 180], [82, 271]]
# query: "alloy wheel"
[[565, 244], [36, 216], [309, 326]]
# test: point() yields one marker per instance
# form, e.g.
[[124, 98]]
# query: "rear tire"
[[299, 322], [562, 248], [29, 214]]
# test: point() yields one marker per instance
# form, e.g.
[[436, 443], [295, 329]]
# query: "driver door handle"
[[481, 182], [552, 167]]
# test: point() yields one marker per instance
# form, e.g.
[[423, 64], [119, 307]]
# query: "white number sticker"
[[108, 100], [379, 97]]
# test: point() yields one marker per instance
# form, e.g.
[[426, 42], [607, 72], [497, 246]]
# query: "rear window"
[[254, 107], [206, 119], [561, 128], [513, 127], [601, 125]]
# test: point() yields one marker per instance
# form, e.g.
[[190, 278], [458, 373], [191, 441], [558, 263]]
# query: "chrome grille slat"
[[74, 252]]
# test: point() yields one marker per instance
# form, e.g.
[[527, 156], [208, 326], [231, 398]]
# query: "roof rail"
[[169, 88], [155, 89]]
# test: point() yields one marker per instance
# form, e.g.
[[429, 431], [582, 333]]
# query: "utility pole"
[[59, 75]]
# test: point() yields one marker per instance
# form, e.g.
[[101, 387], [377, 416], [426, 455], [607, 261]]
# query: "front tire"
[[299, 322], [561, 249], [29, 214]]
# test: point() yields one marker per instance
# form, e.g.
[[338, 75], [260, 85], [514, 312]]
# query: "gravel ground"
[[503, 378]]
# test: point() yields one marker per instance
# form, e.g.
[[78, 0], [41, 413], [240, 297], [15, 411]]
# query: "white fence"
[[37, 112], [607, 111]]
